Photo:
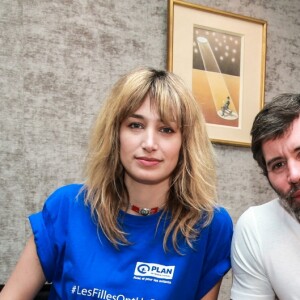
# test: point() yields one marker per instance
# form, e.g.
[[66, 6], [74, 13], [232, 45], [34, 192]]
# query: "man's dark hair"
[[272, 122]]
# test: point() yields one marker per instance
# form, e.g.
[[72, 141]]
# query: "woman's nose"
[[149, 142]]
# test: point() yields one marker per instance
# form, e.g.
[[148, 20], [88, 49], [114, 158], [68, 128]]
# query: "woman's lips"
[[146, 161]]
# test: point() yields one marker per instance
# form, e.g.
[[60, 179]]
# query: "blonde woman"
[[144, 225]]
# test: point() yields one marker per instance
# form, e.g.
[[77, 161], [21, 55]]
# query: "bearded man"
[[266, 244]]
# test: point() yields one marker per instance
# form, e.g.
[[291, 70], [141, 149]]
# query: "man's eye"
[[135, 125], [167, 130], [278, 167]]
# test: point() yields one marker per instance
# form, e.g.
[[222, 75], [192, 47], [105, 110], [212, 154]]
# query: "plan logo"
[[154, 270]]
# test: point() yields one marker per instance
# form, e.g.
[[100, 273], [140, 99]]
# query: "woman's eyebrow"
[[136, 116], [142, 117]]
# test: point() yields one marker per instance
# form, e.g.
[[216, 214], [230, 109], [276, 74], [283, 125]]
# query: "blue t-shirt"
[[82, 264]]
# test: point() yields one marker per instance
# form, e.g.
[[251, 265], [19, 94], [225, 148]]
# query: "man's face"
[[282, 158]]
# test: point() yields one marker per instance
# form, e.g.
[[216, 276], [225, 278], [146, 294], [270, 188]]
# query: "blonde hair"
[[192, 189]]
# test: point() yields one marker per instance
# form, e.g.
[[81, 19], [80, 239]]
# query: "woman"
[[144, 225]]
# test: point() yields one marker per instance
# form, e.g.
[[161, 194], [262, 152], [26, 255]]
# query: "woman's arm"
[[213, 293], [27, 277]]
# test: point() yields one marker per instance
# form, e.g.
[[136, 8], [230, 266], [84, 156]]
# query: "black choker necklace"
[[145, 211]]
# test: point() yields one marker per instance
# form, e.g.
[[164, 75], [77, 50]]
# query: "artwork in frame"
[[221, 56]]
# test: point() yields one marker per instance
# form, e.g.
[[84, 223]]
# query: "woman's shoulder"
[[221, 220], [218, 233], [65, 196], [221, 214], [68, 190]]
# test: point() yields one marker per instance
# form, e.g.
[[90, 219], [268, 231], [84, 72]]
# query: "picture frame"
[[221, 57]]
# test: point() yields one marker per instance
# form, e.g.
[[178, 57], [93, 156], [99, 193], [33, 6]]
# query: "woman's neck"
[[147, 195]]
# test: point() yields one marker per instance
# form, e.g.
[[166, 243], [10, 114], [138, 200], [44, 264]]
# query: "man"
[[266, 243], [225, 107]]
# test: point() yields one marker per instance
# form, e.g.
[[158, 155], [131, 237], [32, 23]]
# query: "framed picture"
[[221, 57]]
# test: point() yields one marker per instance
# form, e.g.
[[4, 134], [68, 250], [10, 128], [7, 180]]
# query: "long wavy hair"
[[192, 193]]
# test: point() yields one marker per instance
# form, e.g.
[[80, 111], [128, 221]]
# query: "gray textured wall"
[[57, 61]]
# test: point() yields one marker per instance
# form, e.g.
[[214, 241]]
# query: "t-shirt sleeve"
[[217, 261], [49, 230], [249, 278]]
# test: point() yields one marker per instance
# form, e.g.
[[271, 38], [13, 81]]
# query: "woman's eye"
[[135, 125], [167, 130]]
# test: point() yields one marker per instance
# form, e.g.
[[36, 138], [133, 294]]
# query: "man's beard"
[[289, 203]]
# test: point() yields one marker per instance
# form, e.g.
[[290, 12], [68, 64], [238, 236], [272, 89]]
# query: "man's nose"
[[294, 171]]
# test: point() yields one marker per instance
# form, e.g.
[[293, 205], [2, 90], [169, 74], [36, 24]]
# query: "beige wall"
[[58, 59]]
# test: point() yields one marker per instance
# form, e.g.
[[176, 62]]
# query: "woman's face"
[[149, 148]]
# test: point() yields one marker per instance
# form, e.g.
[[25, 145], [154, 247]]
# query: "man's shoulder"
[[266, 205], [265, 208], [260, 214]]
